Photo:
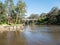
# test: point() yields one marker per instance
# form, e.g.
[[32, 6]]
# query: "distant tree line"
[[14, 13], [52, 17]]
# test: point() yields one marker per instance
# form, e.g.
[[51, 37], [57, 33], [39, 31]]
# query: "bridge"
[[29, 21]]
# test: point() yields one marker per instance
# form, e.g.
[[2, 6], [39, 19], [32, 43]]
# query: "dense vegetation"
[[52, 17], [12, 13]]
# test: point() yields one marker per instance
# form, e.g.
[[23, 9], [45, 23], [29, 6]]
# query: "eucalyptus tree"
[[42, 18], [15, 12], [58, 17], [33, 16], [9, 9], [51, 16], [21, 10], [2, 13]]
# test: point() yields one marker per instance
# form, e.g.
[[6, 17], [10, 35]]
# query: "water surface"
[[32, 35]]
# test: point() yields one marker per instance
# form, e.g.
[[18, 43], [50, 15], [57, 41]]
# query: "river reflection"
[[32, 35], [12, 38]]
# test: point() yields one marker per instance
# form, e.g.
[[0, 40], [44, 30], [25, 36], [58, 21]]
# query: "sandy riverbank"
[[6, 27]]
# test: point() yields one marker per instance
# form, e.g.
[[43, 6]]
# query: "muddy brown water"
[[32, 35]]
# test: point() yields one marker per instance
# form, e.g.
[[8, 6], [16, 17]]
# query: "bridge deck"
[[29, 19]]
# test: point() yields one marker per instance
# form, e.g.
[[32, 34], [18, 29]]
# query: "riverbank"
[[6, 27]]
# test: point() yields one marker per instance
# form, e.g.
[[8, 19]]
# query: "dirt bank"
[[6, 27]]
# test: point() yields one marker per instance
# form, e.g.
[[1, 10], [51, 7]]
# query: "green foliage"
[[10, 13], [53, 17], [2, 8], [2, 13], [20, 10], [33, 16]]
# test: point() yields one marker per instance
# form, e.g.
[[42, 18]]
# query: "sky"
[[39, 6]]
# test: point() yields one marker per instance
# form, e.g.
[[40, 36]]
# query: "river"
[[32, 35]]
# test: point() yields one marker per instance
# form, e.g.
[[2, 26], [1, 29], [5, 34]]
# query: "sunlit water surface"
[[32, 35]]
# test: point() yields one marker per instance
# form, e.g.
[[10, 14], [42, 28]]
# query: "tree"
[[33, 16], [2, 13], [42, 19], [52, 16], [43, 16], [21, 10], [58, 17], [9, 10], [12, 13]]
